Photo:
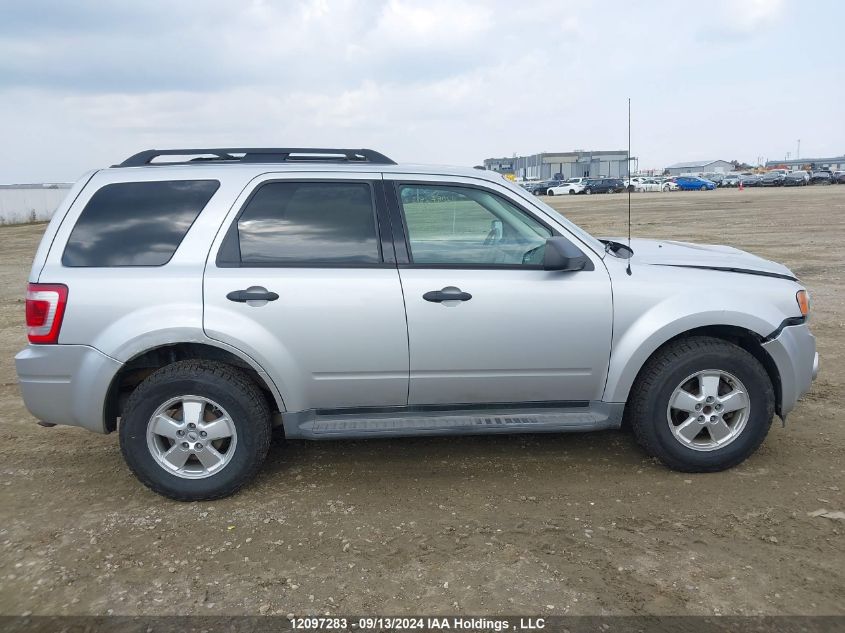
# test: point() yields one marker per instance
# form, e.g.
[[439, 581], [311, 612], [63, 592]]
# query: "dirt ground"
[[570, 524]]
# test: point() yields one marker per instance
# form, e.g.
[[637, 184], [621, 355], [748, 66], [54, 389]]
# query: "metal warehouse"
[[700, 167], [835, 163], [580, 163]]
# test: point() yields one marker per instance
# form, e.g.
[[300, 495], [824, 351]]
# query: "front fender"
[[648, 312]]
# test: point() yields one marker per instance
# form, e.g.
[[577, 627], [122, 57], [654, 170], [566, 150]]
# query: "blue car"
[[693, 183]]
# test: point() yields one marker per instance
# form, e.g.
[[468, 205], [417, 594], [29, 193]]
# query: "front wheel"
[[701, 404], [550, 192], [588, 191], [195, 430], [703, 188]]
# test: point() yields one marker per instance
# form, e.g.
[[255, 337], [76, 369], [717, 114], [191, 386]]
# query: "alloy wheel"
[[191, 437], [708, 410]]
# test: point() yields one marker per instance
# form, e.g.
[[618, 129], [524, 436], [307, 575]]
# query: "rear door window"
[[305, 224], [136, 223]]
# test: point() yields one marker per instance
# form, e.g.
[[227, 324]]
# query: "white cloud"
[[754, 13], [454, 81]]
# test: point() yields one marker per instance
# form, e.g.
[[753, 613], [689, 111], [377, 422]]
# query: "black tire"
[[588, 191], [703, 188], [224, 384], [550, 192], [571, 192], [657, 381]]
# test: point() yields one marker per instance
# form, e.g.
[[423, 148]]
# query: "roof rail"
[[259, 155]]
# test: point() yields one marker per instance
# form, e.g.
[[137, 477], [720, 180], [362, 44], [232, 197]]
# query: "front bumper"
[[66, 384], [794, 353]]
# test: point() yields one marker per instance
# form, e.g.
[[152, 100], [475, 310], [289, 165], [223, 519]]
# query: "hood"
[[707, 256]]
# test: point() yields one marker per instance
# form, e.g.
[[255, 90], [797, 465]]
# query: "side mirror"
[[562, 255]]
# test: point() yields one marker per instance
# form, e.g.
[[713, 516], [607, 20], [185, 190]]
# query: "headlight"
[[803, 299]]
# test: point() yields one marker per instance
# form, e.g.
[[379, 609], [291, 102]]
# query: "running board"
[[406, 422]]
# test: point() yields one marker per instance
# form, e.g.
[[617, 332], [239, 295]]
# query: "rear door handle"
[[252, 294], [447, 294]]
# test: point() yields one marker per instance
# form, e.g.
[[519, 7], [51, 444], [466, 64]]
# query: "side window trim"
[[229, 253], [400, 227]]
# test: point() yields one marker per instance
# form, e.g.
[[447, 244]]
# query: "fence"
[[30, 203]]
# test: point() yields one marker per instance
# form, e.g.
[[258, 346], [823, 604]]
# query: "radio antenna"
[[629, 187]]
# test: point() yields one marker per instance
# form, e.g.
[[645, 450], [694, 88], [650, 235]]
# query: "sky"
[[85, 84]]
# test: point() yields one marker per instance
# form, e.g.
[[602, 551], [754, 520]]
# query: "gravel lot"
[[571, 524]]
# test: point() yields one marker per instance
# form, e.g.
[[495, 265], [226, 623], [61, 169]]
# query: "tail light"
[[45, 308]]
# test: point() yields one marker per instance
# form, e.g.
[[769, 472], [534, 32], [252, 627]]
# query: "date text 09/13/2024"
[[417, 623]]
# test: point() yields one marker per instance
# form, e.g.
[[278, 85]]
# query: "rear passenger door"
[[302, 277]]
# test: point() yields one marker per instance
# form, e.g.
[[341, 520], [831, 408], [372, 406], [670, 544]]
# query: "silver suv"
[[195, 299]]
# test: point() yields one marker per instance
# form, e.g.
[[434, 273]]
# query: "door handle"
[[252, 294], [447, 294]]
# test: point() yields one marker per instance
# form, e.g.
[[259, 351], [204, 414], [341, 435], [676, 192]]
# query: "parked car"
[[192, 307], [716, 179], [543, 187], [750, 180], [603, 185], [648, 185], [839, 177], [772, 179], [730, 180], [571, 187], [642, 183], [631, 183], [821, 178], [796, 179], [534, 185], [668, 184], [694, 183]]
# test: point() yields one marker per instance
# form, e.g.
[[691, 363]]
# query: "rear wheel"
[[195, 430], [703, 188], [701, 405], [550, 192]]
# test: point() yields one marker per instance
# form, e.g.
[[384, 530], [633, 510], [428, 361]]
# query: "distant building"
[[700, 167], [501, 165], [833, 164], [548, 165], [30, 203]]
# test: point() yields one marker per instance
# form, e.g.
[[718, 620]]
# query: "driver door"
[[486, 322]]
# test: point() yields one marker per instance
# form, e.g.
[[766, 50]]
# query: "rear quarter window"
[[136, 223]]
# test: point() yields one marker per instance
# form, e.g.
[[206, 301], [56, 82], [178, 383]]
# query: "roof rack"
[[259, 155]]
